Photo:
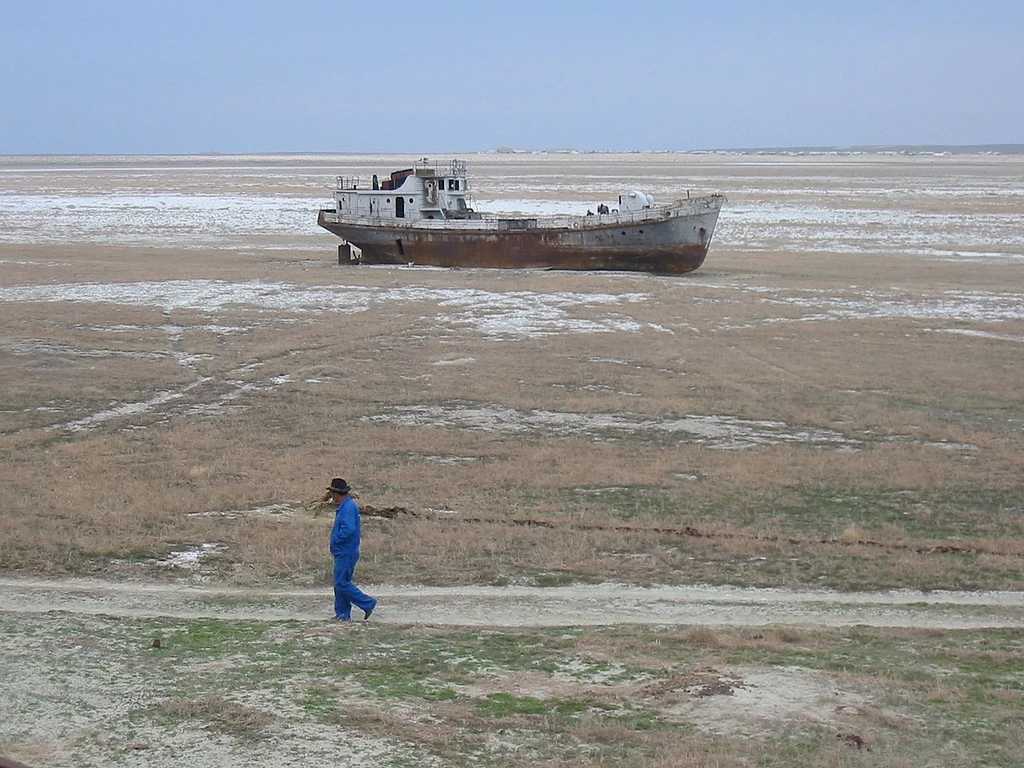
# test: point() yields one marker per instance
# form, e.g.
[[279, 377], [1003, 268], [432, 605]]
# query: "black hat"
[[339, 486]]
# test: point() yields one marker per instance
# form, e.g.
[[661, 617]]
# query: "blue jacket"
[[345, 533]]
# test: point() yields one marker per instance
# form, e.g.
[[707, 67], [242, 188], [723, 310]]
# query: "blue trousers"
[[345, 592]]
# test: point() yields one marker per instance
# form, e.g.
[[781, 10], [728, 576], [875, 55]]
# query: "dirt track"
[[528, 606]]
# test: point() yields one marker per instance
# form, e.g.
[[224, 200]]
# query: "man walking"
[[345, 548]]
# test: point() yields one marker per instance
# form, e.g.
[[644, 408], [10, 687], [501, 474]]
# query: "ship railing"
[[492, 220], [455, 168], [347, 182]]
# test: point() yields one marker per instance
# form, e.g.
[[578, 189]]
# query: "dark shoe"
[[366, 615]]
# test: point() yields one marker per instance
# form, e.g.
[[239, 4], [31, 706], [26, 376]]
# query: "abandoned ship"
[[423, 216]]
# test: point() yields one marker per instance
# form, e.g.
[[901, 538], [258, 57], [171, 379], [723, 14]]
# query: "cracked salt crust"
[[514, 314]]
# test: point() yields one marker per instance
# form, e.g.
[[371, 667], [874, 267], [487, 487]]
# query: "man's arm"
[[345, 522]]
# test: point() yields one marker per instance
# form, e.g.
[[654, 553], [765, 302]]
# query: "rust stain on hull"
[[656, 247]]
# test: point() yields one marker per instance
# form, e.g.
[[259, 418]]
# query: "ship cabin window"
[[453, 183]]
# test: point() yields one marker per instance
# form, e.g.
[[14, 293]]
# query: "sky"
[[237, 76]]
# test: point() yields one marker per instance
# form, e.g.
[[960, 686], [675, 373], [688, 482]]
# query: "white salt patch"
[[981, 334], [226, 402], [42, 347], [222, 403], [191, 558], [207, 295], [154, 219], [720, 432], [123, 410], [515, 314], [449, 460], [285, 509], [798, 226], [978, 306]]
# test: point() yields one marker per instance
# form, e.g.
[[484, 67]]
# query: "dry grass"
[[217, 712], [927, 423], [80, 499]]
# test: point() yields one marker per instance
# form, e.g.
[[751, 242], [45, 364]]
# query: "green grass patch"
[[501, 705]]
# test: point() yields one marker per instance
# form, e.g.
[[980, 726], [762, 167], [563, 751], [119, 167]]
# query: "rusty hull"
[[514, 250], [664, 246]]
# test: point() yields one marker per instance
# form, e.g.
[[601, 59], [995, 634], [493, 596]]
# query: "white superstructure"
[[421, 192]]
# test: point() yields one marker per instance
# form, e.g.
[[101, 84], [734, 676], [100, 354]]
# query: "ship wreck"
[[423, 216]]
